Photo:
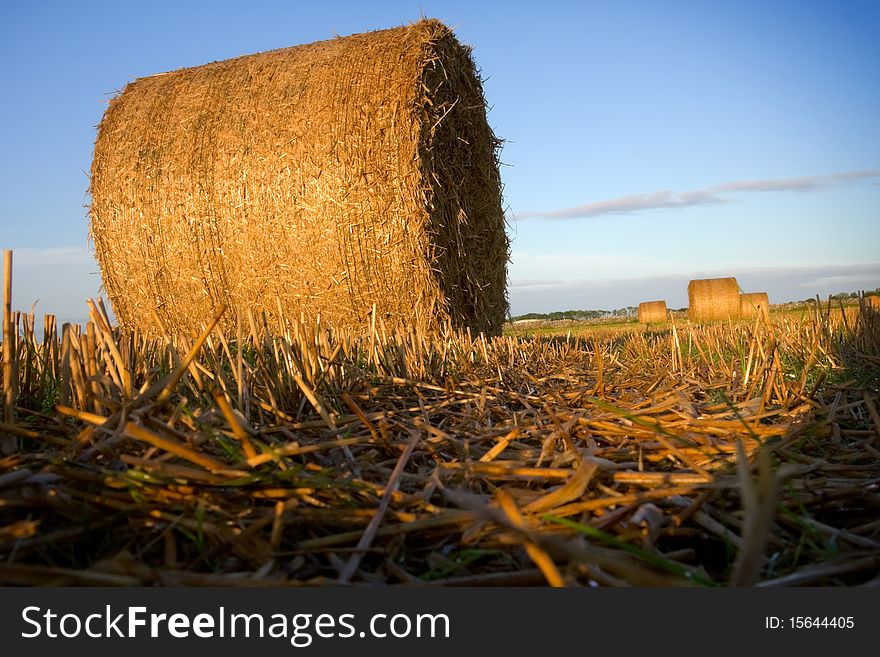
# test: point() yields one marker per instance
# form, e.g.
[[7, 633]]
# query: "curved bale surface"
[[751, 304], [713, 298], [319, 180], [652, 312]]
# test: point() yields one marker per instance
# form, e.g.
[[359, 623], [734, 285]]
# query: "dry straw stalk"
[[751, 304], [319, 180], [8, 335], [652, 312], [713, 298]]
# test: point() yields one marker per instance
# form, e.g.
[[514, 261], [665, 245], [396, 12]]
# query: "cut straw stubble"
[[367, 538]]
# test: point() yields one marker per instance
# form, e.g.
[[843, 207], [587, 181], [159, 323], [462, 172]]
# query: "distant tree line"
[[579, 315], [846, 296]]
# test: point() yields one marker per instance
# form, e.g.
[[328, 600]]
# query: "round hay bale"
[[652, 312], [713, 298], [751, 304], [873, 301], [319, 180]]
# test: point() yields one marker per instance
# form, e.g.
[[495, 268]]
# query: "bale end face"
[[652, 312], [753, 304]]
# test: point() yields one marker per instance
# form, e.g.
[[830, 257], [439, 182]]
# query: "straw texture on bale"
[[873, 301], [713, 298], [753, 303], [652, 312], [318, 180]]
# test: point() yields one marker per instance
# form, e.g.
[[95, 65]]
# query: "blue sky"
[[646, 142]]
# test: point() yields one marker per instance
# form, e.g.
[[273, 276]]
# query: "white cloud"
[[713, 195], [803, 183], [842, 281]]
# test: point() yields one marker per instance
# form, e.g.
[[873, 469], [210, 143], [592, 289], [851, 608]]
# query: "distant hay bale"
[[753, 303], [322, 179], [873, 301], [652, 312], [713, 298]]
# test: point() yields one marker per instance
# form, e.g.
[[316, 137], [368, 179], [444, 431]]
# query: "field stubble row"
[[731, 453]]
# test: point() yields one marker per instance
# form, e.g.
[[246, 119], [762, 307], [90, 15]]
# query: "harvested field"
[[282, 454]]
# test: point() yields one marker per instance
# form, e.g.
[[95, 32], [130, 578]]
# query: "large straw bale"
[[652, 312], [322, 179], [751, 304], [713, 298], [873, 301]]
